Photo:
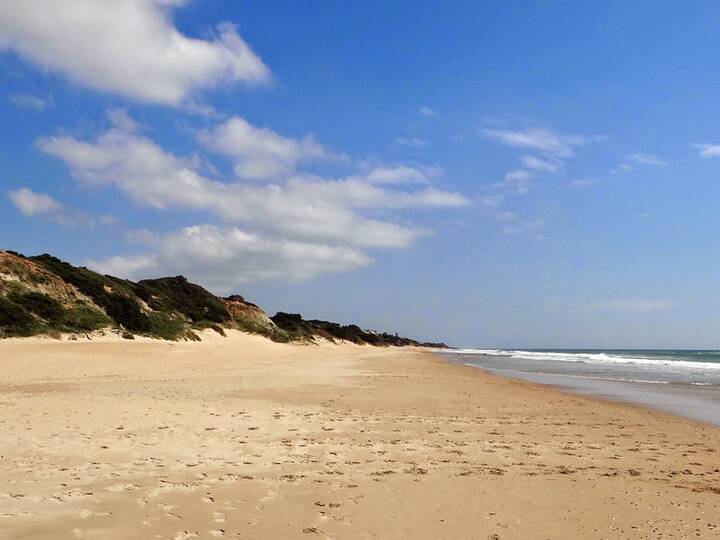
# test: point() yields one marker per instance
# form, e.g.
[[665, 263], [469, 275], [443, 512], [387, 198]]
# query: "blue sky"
[[510, 174]]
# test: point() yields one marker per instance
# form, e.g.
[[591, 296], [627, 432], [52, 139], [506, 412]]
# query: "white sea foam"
[[592, 358]]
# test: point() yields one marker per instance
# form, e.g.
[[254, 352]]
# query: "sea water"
[[684, 382]]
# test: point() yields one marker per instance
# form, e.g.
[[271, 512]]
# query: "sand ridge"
[[240, 437]]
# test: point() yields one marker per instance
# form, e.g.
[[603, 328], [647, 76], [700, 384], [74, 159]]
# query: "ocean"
[[682, 382]]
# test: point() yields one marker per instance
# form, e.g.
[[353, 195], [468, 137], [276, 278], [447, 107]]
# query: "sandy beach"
[[240, 437]]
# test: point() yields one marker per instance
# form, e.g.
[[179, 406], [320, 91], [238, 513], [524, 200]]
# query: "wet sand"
[[239, 437]]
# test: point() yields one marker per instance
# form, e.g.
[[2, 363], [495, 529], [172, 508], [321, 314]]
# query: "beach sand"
[[240, 437]]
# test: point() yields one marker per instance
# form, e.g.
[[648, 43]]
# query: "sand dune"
[[240, 437]]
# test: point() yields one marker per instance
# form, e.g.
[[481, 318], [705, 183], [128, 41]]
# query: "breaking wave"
[[600, 358]]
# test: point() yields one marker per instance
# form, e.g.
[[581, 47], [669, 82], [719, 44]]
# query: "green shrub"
[[119, 306], [40, 304], [178, 294], [165, 326], [83, 318], [15, 320]]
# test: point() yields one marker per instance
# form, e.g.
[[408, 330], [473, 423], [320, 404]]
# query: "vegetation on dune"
[[248, 317], [306, 330], [15, 320], [179, 295], [40, 304], [29, 313], [113, 295], [84, 318], [271, 332], [44, 295]]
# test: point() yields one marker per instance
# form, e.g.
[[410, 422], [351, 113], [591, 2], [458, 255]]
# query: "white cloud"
[[356, 193], [518, 176], [225, 258], [518, 182], [302, 207], [708, 150], [553, 147], [260, 152], [645, 159], [402, 174], [413, 142], [29, 101], [130, 267], [636, 305], [542, 165], [31, 203], [427, 111], [126, 47], [541, 139], [631, 161], [121, 119]]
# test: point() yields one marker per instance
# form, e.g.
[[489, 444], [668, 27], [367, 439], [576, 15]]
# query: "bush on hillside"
[[40, 304], [83, 318], [120, 307], [15, 320], [178, 294]]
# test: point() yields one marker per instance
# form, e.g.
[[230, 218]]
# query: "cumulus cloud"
[[260, 153], [645, 159], [427, 111], [303, 207], [225, 258], [121, 119], [636, 305], [541, 165], [31, 203], [126, 47], [708, 150], [402, 174], [127, 267], [29, 101], [540, 139], [34, 204]]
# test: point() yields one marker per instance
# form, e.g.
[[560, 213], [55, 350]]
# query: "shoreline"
[[241, 437], [685, 400], [595, 398]]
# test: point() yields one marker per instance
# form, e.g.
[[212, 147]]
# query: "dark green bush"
[[40, 304], [120, 307], [179, 295], [165, 326], [83, 318], [15, 320]]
